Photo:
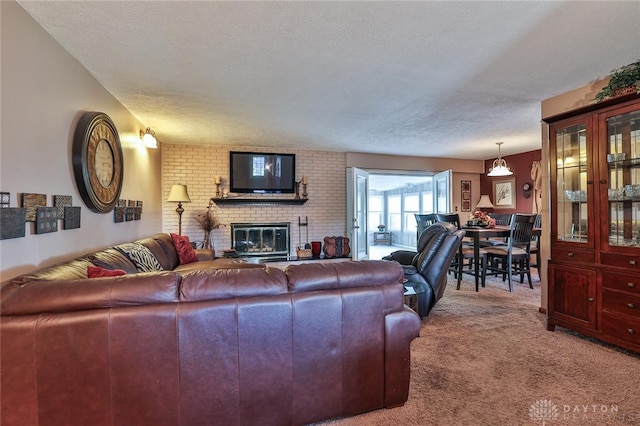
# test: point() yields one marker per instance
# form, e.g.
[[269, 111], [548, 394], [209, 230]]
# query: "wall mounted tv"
[[262, 172]]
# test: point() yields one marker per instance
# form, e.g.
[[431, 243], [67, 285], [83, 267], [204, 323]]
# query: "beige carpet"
[[487, 359]]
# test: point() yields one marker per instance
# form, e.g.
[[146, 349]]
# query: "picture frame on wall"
[[465, 195], [504, 193]]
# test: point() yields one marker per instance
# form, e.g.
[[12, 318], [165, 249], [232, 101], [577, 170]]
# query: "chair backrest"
[[502, 218], [521, 231], [424, 221], [538, 222], [453, 218]]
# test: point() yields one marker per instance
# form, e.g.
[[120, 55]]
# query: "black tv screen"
[[262, 172]]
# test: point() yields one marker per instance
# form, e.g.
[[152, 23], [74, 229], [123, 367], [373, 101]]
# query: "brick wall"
[[196, 166]]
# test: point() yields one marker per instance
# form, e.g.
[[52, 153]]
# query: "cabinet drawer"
[[568, 255], [628, 283], [622, 260], [622, 302], [622, 327]]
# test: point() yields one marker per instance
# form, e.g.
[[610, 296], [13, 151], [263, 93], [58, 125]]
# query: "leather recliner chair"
[[426, 270]]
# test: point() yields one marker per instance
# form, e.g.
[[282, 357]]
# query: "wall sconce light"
[[179, 195], [148, 138], [500, 167]]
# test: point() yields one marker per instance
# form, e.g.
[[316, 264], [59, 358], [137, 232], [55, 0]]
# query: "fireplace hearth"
[[264, 240]]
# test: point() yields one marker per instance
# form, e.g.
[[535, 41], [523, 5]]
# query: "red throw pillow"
[[186, 253], [97, 272]]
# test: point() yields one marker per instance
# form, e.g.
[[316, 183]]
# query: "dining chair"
[[502, 219], [535, 243], [423, 221], [465, 255], [513, 258]]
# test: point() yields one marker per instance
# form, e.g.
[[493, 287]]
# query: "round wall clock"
[[97, 161]]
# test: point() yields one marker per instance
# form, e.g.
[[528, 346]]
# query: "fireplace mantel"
[[230, 201]]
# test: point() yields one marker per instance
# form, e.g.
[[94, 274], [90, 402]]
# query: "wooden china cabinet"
[[594, 270]]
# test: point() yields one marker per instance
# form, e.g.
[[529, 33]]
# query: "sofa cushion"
[[211, 284], [161, 245], [186, 253], [141, 256], [86, 294], [98, 272]]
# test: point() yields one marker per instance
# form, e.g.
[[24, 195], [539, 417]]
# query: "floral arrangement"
[[208, 222], [480, 217]]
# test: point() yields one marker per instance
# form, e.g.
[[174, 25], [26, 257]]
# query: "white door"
[[442, 192], [357, 194]]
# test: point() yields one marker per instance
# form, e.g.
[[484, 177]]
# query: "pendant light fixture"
[[500, 167]]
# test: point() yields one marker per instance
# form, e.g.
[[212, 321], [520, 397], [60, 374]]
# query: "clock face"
[[97, 161], [104, 163]]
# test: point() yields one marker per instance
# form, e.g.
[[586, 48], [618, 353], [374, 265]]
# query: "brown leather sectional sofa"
[[212, 345]]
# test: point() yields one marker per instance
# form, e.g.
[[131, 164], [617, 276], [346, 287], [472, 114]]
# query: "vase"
[[206, 244], [316, 246]]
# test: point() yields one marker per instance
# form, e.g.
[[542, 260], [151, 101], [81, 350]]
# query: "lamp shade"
[[500, 167], [484, 202], [179, 194]]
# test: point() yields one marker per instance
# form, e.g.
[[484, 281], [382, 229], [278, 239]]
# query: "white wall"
[[44, 91]]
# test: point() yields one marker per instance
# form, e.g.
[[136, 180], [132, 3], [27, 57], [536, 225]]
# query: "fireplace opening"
[[265, 240]]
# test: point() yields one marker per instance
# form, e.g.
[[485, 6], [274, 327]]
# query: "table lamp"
[[179, 195], [484, 202]]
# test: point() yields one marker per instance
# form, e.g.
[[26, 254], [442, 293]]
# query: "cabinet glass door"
[[623, 192], [571, 184]]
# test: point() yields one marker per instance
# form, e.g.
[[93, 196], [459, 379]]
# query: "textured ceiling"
[[445, 79]]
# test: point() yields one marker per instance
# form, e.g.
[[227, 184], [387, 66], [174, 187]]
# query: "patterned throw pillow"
[[141, 256]]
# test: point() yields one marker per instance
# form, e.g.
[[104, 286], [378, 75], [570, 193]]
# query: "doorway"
[[393, 201]]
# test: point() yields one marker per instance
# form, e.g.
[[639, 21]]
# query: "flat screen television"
[[260, 172]]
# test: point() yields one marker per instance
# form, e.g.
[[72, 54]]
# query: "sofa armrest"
[[205, 254], [400, 329], [403, 257]]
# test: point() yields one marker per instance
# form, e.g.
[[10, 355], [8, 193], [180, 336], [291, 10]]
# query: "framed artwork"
[[504, 193], [465, 195]]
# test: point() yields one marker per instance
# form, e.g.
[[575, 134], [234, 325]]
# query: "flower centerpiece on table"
[[208, 222], [478, 217]]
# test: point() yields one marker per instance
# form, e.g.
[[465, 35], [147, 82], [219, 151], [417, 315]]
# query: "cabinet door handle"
[[631, 305], [630, 331], [570, 254], [591, 299], [631, 285], [589, 182], [603, 181], [632, 262]]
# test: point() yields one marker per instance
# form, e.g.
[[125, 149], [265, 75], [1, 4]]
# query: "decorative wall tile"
[[31, 202], [129, 214], [61, 201], [12, 221], [46, 219], [71, 217], [5, 199], [118, 214]]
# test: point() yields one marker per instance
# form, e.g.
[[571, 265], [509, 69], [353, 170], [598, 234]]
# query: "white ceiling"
[[446, 79]]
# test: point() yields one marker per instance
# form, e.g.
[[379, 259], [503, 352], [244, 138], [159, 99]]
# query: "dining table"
[[479, 233]]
